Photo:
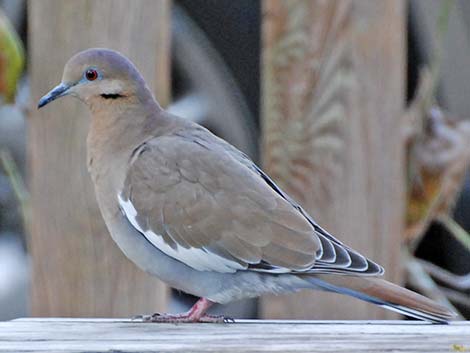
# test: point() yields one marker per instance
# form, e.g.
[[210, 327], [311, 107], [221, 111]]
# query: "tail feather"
[[385, 294]]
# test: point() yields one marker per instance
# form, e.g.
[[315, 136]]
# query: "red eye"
[[91, 75]]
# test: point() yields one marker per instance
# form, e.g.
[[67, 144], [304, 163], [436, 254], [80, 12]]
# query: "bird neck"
[[116, 129]]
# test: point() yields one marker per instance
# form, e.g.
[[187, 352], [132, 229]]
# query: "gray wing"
[[204, 203]]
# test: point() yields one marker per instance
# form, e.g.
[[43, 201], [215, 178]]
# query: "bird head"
[[97, 74]]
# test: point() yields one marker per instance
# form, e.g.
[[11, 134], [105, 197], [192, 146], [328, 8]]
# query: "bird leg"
[[197, 313]]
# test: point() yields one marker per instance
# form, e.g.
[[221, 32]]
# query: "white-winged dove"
[[191, 209]]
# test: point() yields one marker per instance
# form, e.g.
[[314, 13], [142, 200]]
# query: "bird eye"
[[91, 75]]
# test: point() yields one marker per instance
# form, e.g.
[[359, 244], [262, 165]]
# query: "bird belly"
[[218, 287]]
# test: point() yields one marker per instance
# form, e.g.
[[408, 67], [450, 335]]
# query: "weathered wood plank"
[[104, 335], [333, 89], [77, 268]]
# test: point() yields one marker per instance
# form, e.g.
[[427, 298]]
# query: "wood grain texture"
[[88, 335], [333, 90], [78, 270]]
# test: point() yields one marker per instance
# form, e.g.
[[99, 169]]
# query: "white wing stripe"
[[199, 259]]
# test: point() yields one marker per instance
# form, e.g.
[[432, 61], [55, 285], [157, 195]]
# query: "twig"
[[419, 279], [455, 230], [417, 118], [429, 76], [456, 296], [442, 26], [17, 184], [450, 279]]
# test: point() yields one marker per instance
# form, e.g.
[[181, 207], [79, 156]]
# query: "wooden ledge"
[[124, 335]]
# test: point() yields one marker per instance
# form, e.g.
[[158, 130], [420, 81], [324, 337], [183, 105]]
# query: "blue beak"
[[57, 92]]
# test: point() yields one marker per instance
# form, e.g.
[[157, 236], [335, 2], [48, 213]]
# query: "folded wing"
[[204, 203]]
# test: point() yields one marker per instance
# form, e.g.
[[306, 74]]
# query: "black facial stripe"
[[112, 96]]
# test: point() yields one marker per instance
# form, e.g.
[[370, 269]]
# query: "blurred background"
[[357, 108]]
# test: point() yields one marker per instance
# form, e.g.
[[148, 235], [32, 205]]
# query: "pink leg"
[[197, 313]]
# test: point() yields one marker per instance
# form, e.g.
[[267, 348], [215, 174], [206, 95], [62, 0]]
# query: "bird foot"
[[183, 318], [197, 313]]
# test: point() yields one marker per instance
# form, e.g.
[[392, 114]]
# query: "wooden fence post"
[[77, 268], [333, 93]]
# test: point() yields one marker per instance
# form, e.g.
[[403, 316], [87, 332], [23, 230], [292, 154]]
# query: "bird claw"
[[144, 318], [182, 318], [216, 319]]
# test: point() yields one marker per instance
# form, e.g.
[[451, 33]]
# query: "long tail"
[[386, 294]]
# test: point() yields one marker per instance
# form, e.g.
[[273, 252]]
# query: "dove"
[[194, 211]]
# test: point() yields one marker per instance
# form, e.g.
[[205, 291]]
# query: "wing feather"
[[203, 202]]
